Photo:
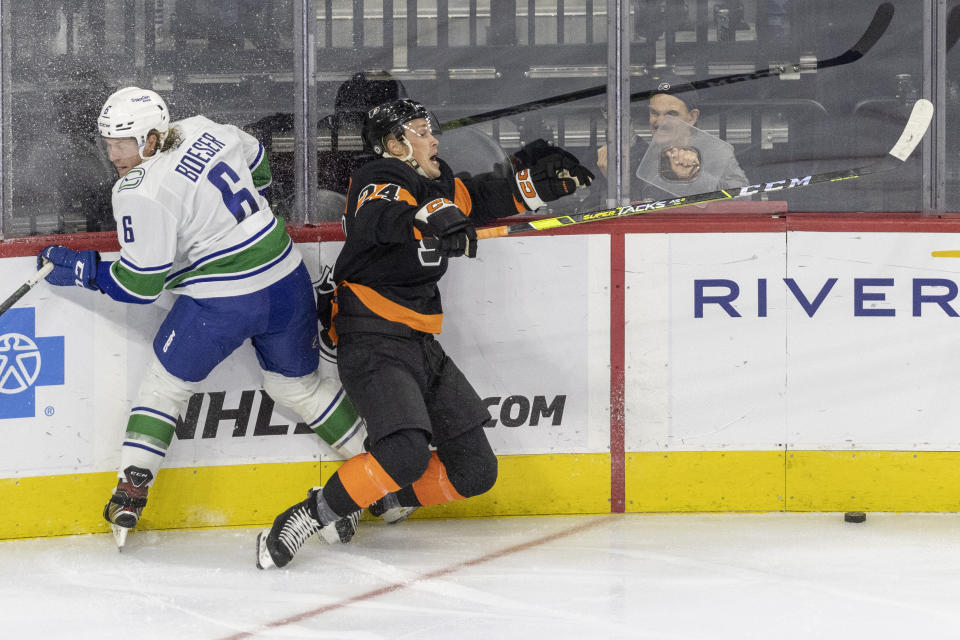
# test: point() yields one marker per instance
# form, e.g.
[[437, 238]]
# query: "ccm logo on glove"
[[445, 221], [527, 191], [71, 268], [554, 174]]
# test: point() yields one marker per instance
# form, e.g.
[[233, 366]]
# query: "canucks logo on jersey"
[[133, 179]]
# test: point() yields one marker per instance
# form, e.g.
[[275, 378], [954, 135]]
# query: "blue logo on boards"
[[26, 362]]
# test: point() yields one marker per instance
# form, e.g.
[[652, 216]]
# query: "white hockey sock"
[[323, 405]]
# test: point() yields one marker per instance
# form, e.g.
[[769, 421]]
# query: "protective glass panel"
[[795, 87], [230, 61], [475, 63], [683, 160]]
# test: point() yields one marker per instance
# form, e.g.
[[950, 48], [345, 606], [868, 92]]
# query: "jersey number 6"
[[233, 200]]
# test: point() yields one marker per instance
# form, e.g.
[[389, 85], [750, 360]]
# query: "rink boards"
[[674, 363]]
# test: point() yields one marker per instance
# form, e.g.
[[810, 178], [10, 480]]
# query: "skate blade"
[[119, 535], [329, 534], [264, 561], [397, 515]]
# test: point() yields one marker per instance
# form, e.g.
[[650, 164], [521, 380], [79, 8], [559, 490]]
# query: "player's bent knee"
[[322, 404], [471, 464], [299, 394], [404, 455], [309, 395], [478, 478]]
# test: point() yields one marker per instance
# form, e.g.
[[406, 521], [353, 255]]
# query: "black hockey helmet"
[[389, 118]]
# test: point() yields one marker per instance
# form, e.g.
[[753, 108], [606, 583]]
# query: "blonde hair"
[[173, 138]]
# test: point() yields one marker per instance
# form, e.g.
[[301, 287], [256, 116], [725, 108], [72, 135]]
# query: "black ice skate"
[[293, 527], [126, 504], [389, 510], [342, 530]]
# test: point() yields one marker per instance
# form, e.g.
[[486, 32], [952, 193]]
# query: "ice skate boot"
[[341, 531], [277, 546], [126, 504], [389, 510]]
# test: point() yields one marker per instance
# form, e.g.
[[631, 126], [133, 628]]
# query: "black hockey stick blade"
[[878, 26], [953, 27], [913, 132], [26, 286]]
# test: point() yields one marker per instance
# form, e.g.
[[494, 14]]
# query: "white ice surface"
[[718, 576]]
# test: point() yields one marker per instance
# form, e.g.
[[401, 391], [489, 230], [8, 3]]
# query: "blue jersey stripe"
[[161, 414]]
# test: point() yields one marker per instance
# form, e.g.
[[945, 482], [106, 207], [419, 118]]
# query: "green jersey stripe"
[[267, 248], [150, 429], [144, 285], [340, 421], [261, 173]]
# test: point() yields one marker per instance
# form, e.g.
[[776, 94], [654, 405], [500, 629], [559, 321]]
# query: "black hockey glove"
[[553, 176], [529, 154], [461, 243], [444, 221]]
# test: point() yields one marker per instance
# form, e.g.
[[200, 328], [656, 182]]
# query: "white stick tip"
[[912, 133]]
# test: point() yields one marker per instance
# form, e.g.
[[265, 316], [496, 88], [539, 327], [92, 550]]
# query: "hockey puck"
[[854, 516]]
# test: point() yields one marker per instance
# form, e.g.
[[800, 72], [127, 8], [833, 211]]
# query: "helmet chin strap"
[[407, 158]]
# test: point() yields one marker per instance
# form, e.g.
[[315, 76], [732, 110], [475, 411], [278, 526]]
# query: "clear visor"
[[423, 127], [118, 147], [122, 153]]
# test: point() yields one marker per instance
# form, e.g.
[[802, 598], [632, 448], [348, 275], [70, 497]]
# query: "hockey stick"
[[878, 25], [26, 286], [912, 133], [953, 27]]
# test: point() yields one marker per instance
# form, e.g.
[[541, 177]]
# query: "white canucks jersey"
[[192, 221]]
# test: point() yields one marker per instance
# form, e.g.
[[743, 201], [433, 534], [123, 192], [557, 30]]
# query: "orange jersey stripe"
[[434, 487], [461, 197], [334, 310], [386, 308], [365, 480]]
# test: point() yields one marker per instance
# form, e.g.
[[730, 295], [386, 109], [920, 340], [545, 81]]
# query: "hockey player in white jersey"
[[192, 220]]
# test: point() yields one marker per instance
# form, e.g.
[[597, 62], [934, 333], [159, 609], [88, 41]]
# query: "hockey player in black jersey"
[[406, 216]]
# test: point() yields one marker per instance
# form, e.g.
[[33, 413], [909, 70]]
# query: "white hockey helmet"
[[133, 112]]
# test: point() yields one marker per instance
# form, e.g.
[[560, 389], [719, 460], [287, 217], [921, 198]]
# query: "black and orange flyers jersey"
[[388, 263]]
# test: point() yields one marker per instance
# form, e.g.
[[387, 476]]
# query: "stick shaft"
[[31, 282], [878, 25], [913, 132]]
